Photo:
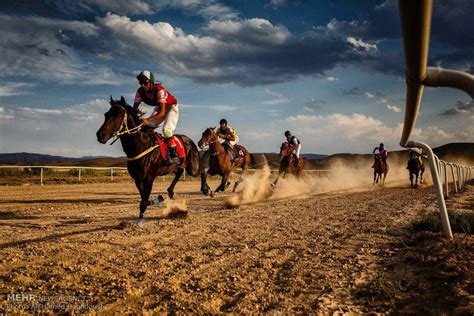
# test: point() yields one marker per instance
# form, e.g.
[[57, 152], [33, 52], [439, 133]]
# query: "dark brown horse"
[[380, 170], [416, 168], [145, 161], [220, 162], [288, 162]]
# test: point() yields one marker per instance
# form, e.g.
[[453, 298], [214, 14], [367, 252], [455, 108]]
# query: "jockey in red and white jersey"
[[166, 109]]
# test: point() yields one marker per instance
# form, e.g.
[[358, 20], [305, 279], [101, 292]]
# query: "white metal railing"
[[66, 168], [119, 168], [460, 174]]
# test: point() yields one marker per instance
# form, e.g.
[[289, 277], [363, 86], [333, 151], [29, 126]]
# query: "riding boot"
[[173, 156]]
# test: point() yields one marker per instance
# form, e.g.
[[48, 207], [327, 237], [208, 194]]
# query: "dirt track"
[[309, 255]]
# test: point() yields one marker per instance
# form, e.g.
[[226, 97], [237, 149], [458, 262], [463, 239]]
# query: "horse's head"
[[285, 149], [115, 119], [208, 137]]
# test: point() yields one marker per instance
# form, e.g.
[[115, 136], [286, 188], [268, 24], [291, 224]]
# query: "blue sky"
[[330, 71]]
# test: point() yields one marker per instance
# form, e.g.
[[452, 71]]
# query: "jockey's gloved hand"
[[141, 112]]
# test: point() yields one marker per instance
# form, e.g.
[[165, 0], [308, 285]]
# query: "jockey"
[[166, 110], [295, 145], [415, 153], [382, 151], [227, 136]]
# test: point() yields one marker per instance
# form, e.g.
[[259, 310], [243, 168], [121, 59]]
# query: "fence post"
[[111, 174], [79, 175], [443, 213], [41, 177]]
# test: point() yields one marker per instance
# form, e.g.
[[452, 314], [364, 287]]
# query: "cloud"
[[276, 101], [394, 108], [65, 131], [460, 108], [361, 45], [283, 3], [357, 132], [36, 48], [378, 98], [223, 108], [14, 88]]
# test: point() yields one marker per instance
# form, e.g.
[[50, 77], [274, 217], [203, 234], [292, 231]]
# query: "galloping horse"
[[288, 162], [142, 147], [416, 168], [220, 162], [380, 168]]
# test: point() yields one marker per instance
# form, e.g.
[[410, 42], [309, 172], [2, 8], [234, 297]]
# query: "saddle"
[[175, 140], [239, 151]]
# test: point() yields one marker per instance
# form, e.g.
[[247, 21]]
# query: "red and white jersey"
[[156, 96]]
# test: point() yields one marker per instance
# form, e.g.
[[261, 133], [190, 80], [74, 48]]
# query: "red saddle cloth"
[[174, 141], [240, 151]]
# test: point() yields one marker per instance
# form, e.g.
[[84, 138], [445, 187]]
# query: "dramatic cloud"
[[35, 47], [359, 132], [461, 108]]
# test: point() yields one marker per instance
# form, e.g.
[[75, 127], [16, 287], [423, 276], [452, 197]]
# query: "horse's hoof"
[[205, 192], [170, 193], [141, 222], [211, 194]]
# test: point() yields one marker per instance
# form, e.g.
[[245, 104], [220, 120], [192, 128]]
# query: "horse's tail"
[[192, 156]]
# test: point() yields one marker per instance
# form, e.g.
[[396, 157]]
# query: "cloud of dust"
[[172, 207], [342, 175]]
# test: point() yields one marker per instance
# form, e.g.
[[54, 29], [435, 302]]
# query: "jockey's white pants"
[[170, 121], [296, 151], [231, 142]]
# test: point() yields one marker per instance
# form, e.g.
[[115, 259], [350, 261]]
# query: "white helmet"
[[145, 74]]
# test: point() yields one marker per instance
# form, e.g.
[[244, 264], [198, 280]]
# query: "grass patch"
[[383, 288], [461, 222]]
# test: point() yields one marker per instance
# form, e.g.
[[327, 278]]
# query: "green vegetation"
[[461, 222], [382, 288]]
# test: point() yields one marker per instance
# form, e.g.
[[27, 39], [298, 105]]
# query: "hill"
[[454, 152]]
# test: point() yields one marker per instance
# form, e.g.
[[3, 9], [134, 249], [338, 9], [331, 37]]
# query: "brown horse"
[[140, 144], [380, 170], [220, 162], [288, 162]]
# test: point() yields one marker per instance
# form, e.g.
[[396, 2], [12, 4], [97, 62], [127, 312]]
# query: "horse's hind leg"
[[421, 175], [177, 176], [222, 186]]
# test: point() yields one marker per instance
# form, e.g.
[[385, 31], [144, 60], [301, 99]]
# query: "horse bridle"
[[123, 129]]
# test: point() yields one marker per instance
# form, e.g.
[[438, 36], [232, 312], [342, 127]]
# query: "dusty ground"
[[78, 247]]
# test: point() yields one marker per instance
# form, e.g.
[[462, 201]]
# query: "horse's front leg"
[[177, 176], [278, 178], [144, 186], [244, 172], [375, 177], [411, 179], [421, 175]]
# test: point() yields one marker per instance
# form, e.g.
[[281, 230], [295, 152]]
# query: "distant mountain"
[[30, 158], [314, 156], [454, 152]]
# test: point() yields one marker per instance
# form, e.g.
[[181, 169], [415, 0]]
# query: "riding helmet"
[[145, 74]]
